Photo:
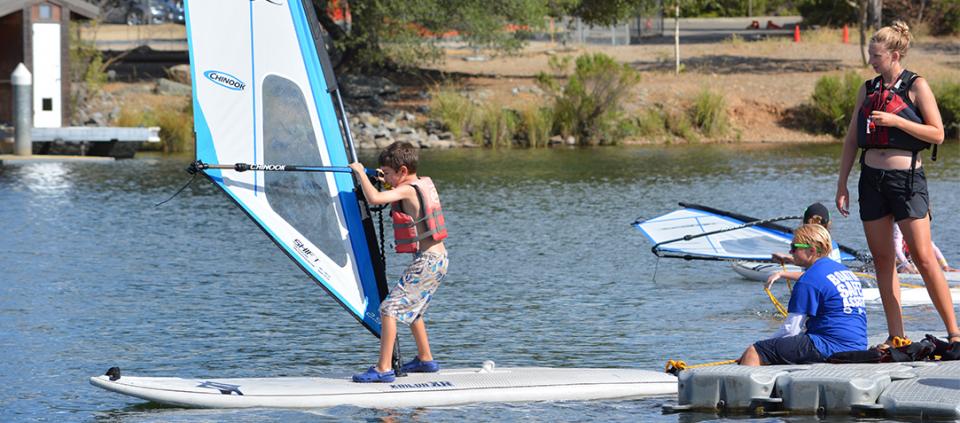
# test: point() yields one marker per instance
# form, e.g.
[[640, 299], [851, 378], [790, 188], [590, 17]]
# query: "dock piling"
[[22, 110]]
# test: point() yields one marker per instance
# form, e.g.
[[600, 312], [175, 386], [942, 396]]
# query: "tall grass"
[[678, 123], [534, 126], [452, 110], [495, 126], [175, 122], [652, 123], [709, 114]]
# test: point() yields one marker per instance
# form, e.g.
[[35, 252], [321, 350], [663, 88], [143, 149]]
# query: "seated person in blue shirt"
[[827, 299]]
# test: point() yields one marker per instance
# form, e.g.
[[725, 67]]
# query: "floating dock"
[[10, 159], [907, 390]]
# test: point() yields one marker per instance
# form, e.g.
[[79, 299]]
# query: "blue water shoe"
[[372, 375], [417, 366]]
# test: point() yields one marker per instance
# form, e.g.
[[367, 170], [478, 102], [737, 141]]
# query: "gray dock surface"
[[926, 389]]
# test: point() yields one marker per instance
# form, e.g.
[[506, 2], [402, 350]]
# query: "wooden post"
[[676, 36]]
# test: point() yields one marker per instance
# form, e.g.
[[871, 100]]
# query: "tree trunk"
[[876, 14], [863, 31]]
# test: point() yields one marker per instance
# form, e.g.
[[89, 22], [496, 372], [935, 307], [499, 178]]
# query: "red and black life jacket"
[[894, 100], [405, 226]]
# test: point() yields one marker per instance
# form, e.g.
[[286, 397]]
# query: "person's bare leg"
[[419, 330], [916, 232], [879, 235], [388, 336], [750, 357]]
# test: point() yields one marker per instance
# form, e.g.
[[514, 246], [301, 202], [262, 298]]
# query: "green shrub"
[[948, 99], [945, 15], [709, 114], [452, 110], [589, 105], [834, 99], [86, 61]]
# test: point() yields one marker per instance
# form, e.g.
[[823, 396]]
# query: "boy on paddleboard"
[[827, 299], [419, 229]]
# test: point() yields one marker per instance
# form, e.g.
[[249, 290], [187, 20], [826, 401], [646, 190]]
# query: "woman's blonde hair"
[[814, 235], [895, 37]]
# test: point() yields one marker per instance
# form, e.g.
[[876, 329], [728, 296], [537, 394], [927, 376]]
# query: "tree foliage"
[[942, 17], [828, 12], [407, 32], [404, 33]]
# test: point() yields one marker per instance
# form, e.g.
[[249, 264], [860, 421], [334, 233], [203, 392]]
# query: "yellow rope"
[[783, 266], [676, 366], [780, 308]]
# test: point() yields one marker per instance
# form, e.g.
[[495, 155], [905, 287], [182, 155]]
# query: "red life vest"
[[405, 226], [894, 100]]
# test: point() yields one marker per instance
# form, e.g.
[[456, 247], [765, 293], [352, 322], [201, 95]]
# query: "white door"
[[46, 75]]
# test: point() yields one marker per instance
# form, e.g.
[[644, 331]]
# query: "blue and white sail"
[[262, 97], [703, 233]]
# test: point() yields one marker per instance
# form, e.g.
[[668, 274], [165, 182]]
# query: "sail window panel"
[[306, 200]]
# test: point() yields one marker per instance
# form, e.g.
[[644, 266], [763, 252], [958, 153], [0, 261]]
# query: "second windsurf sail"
[[698, 232]]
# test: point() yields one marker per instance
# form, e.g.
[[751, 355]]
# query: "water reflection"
[[46, 179]]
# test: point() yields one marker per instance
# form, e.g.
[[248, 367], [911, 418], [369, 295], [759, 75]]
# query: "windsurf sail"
[[698, 232], [265, 96]]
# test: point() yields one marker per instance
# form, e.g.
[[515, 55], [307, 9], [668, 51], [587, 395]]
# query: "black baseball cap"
[[817, 209]]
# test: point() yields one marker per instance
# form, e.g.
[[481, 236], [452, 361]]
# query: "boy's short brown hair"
[[400, 153]]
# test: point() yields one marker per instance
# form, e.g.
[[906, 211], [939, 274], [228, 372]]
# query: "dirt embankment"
[[764, 83]]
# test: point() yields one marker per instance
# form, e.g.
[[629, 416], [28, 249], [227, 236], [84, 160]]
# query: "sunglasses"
[[796, 246]]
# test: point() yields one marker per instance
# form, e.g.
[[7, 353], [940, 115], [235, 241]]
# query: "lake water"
[[545, 271]]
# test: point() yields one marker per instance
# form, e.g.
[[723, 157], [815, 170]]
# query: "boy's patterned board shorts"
[[409, 299]]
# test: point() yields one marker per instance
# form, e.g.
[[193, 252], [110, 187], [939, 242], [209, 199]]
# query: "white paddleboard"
[[445, 388], [908, 296], [757, 271]]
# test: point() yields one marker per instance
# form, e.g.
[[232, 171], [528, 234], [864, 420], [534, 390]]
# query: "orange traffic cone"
[[796, 34], [846, 35]]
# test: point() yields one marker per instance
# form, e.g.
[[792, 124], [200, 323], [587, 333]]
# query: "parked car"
[[140, 12]]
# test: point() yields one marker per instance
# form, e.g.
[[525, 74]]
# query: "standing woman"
[[895, 118]]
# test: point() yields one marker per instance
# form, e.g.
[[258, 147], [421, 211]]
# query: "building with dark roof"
[[37, 34]]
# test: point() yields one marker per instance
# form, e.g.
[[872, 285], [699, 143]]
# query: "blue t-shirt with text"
[[830, 294]]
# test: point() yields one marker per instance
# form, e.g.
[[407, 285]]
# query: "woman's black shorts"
[[885, 192], [797, 349]]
